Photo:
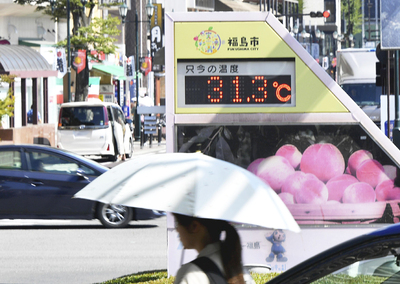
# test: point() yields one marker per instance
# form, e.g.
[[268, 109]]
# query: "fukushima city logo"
[[208, 42]]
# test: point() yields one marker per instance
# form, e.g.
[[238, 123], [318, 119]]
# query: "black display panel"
[[238, 90]]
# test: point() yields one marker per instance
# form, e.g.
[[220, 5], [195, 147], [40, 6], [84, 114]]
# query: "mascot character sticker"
[[277, 238]]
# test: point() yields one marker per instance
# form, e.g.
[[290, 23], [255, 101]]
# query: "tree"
[[351, 9], [88, 33], [7, 105], [301, 6]]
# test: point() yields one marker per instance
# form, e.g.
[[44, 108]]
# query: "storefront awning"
[[24, 62], [114, 70]]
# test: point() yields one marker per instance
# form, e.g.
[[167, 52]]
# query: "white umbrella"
[[192, 184]]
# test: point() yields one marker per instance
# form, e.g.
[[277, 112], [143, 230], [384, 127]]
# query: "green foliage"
[[150, 277], [301, 6], [7, 105], [94, 36], [87, 33], [352, 14], [60, 7], [161, 277]]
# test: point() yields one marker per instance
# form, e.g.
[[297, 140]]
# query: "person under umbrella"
[[205, 188]]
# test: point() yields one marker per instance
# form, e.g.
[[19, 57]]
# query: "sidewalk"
[[146, 149]]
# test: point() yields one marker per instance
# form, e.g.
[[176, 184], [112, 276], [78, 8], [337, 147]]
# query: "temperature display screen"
[[212, 85], [238, 90]]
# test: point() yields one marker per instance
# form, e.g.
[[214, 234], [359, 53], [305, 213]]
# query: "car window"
[[110, 116], [10, 160], [82, 115], [379, 270], [115, 114], [121, 115], [51, 163]]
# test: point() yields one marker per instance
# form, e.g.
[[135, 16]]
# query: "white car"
[[94, 129]]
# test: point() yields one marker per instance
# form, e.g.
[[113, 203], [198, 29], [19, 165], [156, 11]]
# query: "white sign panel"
[[263, 246], [390, 24], [61, 62]]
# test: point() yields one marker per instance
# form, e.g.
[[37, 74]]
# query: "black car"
[[38, 182], [369, 258]]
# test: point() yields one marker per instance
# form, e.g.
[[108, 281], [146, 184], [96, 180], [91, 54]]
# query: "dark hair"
[[231, 249]]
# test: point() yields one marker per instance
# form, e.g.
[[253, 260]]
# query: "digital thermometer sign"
[[241, 83], [238, 90]]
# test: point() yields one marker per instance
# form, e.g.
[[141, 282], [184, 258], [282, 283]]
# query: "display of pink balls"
[[323, 160], [291, 153], [360, 192], [338, 184], [274, 170], [356, 159], [386, 190], [371, 172], [319, 175]]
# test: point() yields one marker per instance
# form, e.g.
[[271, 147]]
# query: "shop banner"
[[61, 62], [79, 60], [129, 68], [156, 29], [145, 65]]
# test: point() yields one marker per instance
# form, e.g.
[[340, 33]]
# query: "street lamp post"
[[137, 117], [123, 12], [53, 2], [68, 52], [338, 38]]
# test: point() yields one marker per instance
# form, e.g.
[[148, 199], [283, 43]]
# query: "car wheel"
[[130, 149], [113, 158], [114, 216]]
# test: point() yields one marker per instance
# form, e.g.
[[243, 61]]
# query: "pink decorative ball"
[[254, 165], [371, 172], [291, 153], [274, 170], [338, 184], [286, 197], [323, 160], [386, 190], [313, 192], [360, 192], [295, 182], [356, 160]]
